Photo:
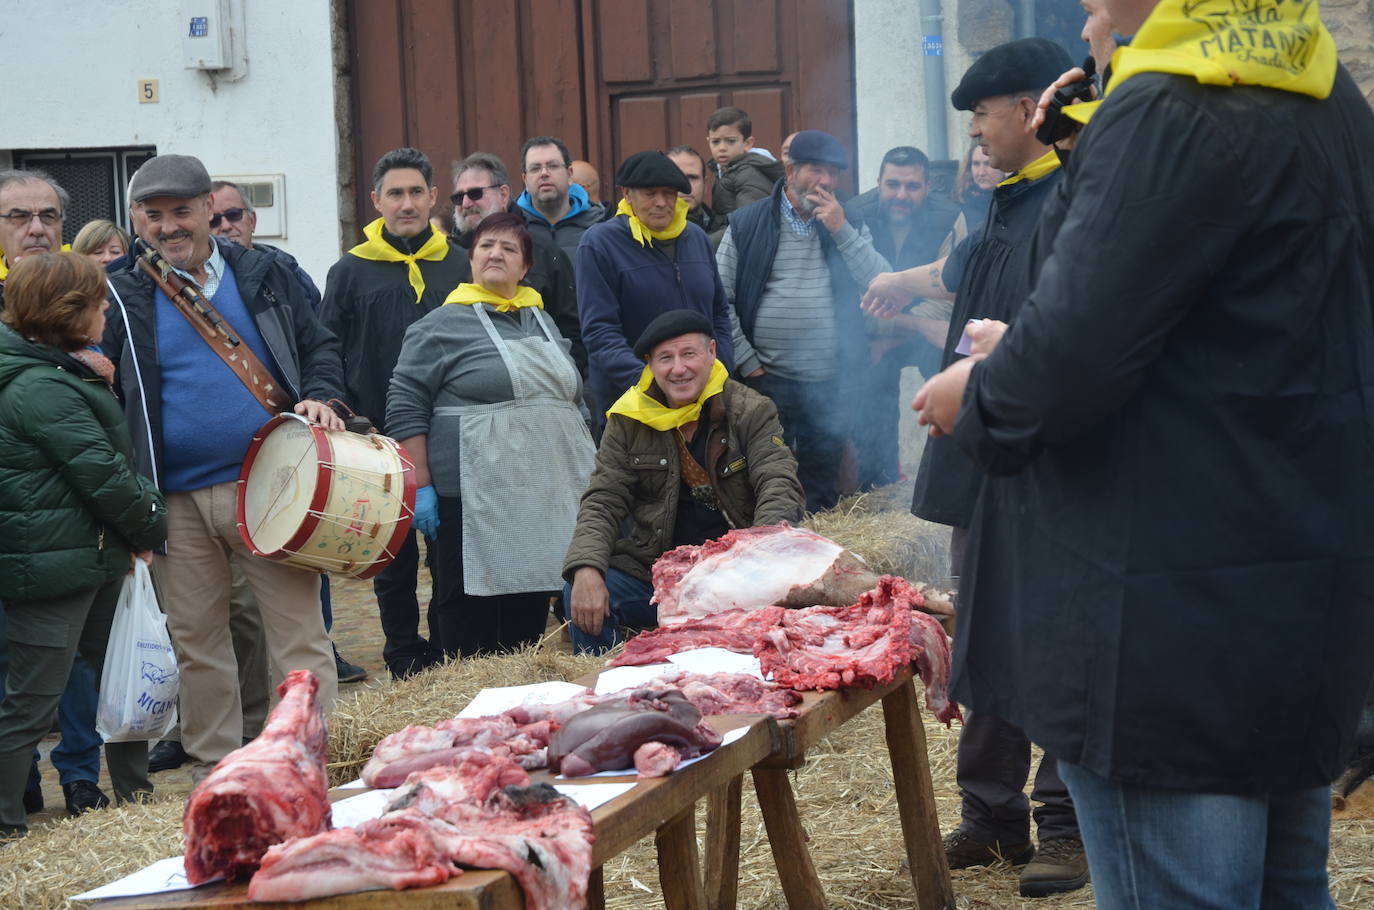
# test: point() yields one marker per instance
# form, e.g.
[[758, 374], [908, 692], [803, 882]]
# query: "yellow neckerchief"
[[637, 404], [5, 266], [475, 293], [377, 249], [1038, 168], [1279, 44], [641, 231]]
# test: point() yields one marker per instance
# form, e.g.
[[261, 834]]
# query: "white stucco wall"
[[79, 64], [889, 86]]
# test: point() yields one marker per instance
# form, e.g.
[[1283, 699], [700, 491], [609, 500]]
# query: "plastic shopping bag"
[[138, 689]]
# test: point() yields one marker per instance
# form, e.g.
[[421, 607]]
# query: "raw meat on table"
[[733, 630], [757, 567], [415, 748], [734, 693], [272, 789], [542, 838], [605, 738]]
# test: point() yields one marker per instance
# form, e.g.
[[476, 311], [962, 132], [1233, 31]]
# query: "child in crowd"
[[744, 174]]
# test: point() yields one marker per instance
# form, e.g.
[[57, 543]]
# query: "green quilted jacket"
[[71, 505]]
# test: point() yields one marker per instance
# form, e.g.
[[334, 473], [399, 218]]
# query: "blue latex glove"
[[427, 511]]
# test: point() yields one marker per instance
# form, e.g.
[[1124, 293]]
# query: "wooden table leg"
[[679, 871], [778, 806], [906, 744], [596, 890], [722, 845]]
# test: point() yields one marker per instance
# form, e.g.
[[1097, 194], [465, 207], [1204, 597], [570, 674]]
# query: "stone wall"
[[1352, 25]]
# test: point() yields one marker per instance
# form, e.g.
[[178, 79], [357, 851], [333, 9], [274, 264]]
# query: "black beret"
[[817, 147], [1029, 64], [650, 169], [670, 325], [169, 175]]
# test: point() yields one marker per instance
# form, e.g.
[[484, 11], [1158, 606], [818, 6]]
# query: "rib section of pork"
[[757, 567], [733, 630], [606, 737], [272, 789], [415, 748]]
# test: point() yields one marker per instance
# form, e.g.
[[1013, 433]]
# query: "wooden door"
[[609, 77], [657, 69]]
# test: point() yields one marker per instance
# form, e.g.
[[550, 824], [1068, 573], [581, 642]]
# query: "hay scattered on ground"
[[844, 791], [892, 542]]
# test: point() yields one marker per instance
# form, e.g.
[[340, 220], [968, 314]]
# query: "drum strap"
[[219, 335]]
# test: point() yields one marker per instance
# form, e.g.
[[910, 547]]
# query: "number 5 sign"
[[147, 91]]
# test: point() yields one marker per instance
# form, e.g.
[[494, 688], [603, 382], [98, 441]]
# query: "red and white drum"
[[332, 501]]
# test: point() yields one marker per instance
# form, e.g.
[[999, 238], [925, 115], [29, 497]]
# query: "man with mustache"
[[795, 268], [910, 227], [192, 418], [373, 294], [554, 207], [643, 262]]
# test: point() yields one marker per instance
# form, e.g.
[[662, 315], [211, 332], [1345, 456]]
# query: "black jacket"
[[1171, 580], [369, 305], [304, 354], [551, 274], [992, 272]]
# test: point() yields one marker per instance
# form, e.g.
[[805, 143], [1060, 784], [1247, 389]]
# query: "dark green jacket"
[[744, 179], [71, 505], [637, 475]]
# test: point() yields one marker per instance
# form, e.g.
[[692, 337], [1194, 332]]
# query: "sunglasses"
[[475, 194], [233, 216]]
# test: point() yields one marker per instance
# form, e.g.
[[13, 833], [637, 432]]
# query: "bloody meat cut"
[[539, 836], [272, 789], [606, 737], [821, 647], [734, 693], [415, 748], [749, 568]]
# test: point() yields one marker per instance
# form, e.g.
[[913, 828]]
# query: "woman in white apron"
[[486, 399]]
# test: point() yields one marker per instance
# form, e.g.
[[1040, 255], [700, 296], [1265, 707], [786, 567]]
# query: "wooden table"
[[662, 806], [822, 713]]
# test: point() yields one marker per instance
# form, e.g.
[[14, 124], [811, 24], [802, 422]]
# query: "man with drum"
[[402, 271], [192, 417]]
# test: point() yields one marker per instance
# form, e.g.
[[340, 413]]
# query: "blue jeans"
[[629, 607], [813, 427], [1156, 849]]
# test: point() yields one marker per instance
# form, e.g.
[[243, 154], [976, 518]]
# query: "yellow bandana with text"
[[475, 293], [377, 249], [637, 404], [1038, 168], [1279, 44], [641, 231]]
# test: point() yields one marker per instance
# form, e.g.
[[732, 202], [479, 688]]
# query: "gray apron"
[[523, 465]]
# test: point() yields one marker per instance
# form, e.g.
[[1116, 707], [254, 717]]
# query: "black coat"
[[991, 273], [1171, 579], [369, 304]]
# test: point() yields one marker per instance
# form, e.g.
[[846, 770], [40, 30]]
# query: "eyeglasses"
[[233, 216], [475, 194], [553, 167], [19, 217]]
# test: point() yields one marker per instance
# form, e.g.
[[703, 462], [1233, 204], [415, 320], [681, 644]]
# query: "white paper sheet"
[[357, 809], [717, 660], [353, 785], [162, 876], [726, 739], [618, 678], [494, 701], [590, 796]]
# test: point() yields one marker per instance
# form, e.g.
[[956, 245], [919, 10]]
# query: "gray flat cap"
[[170, 175]]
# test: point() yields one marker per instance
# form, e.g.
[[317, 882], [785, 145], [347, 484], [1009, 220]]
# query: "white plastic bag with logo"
[[138, 688]]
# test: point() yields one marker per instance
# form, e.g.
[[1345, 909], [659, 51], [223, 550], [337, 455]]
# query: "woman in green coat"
[[73, 513]]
